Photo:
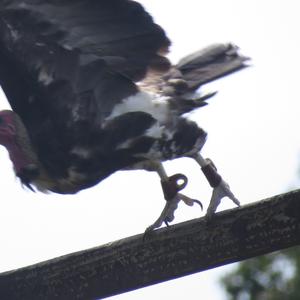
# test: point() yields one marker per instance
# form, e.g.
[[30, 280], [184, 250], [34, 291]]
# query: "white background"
[[253, 138]]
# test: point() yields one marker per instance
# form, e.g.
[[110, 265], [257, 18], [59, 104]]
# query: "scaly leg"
[[171, 187], [220, 188]]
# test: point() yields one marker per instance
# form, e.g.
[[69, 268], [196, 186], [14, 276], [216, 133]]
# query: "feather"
[[91, 85]]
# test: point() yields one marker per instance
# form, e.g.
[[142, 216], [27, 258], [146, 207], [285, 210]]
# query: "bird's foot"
[[166, 216], [171, 187], [219, 192], [221, 188]]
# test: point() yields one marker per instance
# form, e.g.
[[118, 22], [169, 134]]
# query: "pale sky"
[[253, 139]]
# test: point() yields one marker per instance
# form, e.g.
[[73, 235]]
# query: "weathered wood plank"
[[182, 249]]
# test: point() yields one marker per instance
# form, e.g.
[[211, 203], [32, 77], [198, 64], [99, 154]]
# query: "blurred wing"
[[74, 60]]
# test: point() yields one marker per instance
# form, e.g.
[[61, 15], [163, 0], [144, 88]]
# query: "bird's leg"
[[220, 188], [171, 187]]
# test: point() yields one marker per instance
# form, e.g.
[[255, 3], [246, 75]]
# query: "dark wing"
[[64, 50], [69, 62]]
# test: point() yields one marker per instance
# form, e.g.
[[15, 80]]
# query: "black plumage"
[[93, 93]]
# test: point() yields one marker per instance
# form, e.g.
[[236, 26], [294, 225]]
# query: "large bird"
[[92, 93]]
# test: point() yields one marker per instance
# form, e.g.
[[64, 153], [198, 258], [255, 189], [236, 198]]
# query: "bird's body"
[[92, 92]]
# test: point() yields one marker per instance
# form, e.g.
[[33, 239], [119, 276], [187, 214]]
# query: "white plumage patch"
[[156, 106], [149, 103], [155, 131]]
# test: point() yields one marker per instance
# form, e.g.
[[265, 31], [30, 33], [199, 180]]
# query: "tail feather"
[[210, 64], [202, 67], [183, 105]]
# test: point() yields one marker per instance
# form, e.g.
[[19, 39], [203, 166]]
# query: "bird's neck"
[[20, 148], [18, 157]]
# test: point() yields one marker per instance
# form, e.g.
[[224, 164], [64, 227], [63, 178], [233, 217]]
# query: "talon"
[[189, 201], [171, 187], [167, 214], [199, 203]]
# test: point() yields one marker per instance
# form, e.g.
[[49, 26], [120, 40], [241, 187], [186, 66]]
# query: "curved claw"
[[199, 203], [189, 201]]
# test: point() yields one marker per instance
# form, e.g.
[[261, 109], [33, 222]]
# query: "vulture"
[[92, 92]]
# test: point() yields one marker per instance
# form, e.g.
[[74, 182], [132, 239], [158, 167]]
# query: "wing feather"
[[65, 64], [55, 40]]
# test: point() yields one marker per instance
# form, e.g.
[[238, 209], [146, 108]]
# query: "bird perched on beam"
[[92, 92]]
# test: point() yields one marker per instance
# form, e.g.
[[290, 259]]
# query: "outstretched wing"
[[73, 60], [64, 65]]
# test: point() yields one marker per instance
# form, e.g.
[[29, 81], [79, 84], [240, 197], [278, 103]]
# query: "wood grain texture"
[[169, 253]]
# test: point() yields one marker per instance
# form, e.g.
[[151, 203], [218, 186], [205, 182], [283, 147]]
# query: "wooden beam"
[[169, 253]]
